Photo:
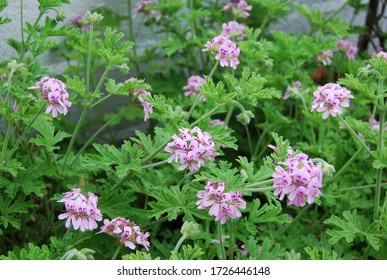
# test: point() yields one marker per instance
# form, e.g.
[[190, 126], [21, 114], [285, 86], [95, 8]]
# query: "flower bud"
[[93, 18], [190, 229], [74, 254], [326, 168], [245, 117], [16, 67]]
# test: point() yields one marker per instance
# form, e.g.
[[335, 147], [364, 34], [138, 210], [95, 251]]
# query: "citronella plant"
[[217, 139]]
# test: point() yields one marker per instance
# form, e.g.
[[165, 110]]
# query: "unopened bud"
[[245, 117], [190, 229], [93, 18]]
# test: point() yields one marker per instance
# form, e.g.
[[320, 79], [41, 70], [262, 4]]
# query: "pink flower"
[[148, 107], [222, 204], [326, 57], [330, 98], [81, 22], [382, 54], [240, 7], [293, 88], [56, 94], [193, 147], [226, 51], [234, 29], [299, 179], [192, 86], [3, 77], [127, 232], [347, 47], [141, 8], [82, 211]]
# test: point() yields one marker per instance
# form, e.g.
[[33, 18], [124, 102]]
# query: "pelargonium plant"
[[205, 131]]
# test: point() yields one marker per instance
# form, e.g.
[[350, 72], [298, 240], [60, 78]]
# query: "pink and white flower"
[[56, 94], [126, 232], [299, 179], [234, 29], [239, 6], [193, 147], [222, 204], [81, 211], [141, 8], [191, 88], [330, 99]]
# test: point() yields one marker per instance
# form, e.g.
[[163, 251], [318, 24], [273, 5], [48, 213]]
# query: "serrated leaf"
[[48, 138], [263, 173], [52, 3], [351, 226], [188, 253], [172, 201], [9, 208], [354, 83], [12, 166], [314, 254], [138, 256]]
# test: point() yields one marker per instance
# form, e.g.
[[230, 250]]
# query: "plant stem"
[[211, 112], [24, 134], [229, 114], [379, 173], [348, 163], [75, 133], [181, 240], [336, 11], [24, 44], [299, 215], [118, 250], [355, 135], [253, 185], [155, 164], [98, 132], [249, 142], [88, 61], [199, 95], [362, 187], [222, 252], [259, 189]]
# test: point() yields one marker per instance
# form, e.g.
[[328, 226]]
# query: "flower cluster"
[[234, 29], [343, 46], [192, 147], [330, 98], [55, 92], [347, 48], [223, 204], [81, 211], [298, 178], [81, 22], [140, 8], [127, 232], [239, 6], [192, 86], [226, 51]]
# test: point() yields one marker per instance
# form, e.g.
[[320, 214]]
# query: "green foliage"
[[352, 226], [48, 138], [188, 253], [3, 5], [263, 214], [138, 256], [10, 208], [315, 254]]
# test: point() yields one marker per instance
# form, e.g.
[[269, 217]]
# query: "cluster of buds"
[[298, 178], [223, 204], [193, 147], [56, 94], [127, 232], [81, 211], [226, 51], [330, 98]]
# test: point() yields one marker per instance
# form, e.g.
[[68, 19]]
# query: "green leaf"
[[48, 138], [189, 253], [265, 214], [172, 201], [13, 166], [249, 88], [314, 254], [351, 226], [263, 173], [76, 84], [139, 256], [44, 4], [215, 92], [9, 208], [354, 83], [114, 51]]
